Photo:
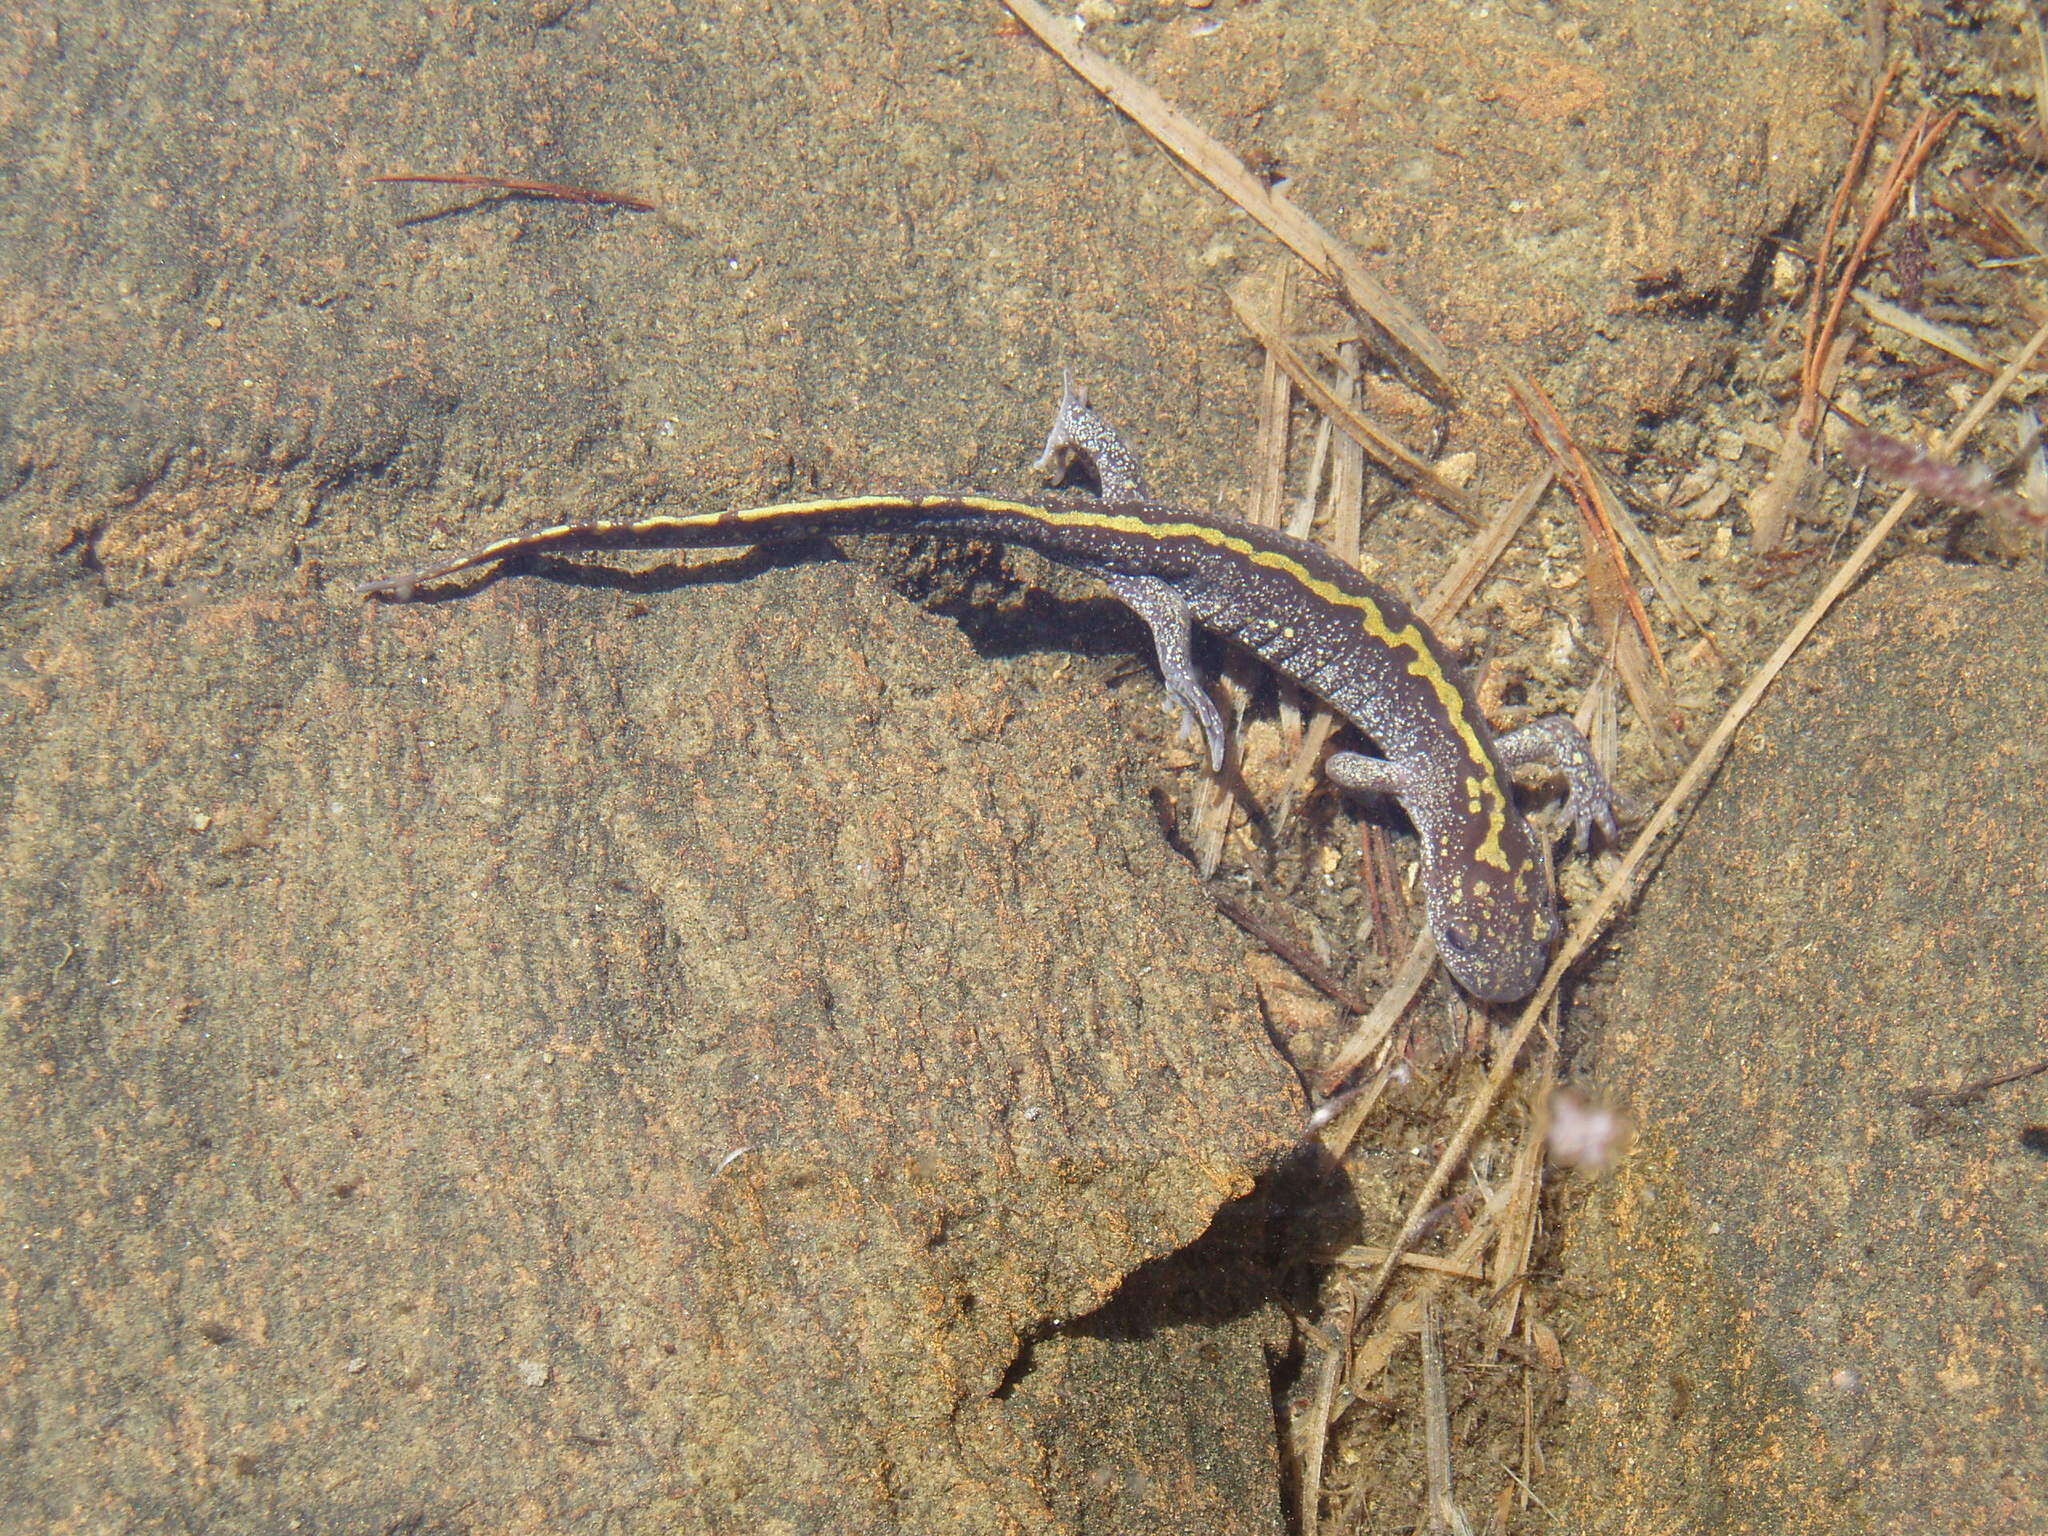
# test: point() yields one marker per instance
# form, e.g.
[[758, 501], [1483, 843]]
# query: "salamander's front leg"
[[1166, 614], [1080, 433], [1556, 741], [1364, 775]]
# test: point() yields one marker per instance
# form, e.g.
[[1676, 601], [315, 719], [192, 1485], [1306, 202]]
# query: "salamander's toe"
[[1200, 714], [1589, 805]]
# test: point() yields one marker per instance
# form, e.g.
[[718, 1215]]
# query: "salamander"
[[1485, 874]]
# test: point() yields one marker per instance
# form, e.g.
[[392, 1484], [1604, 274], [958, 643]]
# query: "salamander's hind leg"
[[1079, 434], [1166, 614], [1556, 741]]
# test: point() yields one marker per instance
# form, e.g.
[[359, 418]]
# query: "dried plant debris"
[[1654, 581]]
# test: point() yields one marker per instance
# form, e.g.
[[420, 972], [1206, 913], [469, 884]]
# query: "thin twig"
[[515, 188], [1306, 965], [1809, 370], [1913, 152], [1393, 1001], [1403, 462], [1276, 416], [1921, 329], [1969, 1093], [1364, 1253], [1404, 1317], [1338, 1121], [1528, 1424], [1482, 552], [1523, 1207], [1322, 1411], [1440, 1514]]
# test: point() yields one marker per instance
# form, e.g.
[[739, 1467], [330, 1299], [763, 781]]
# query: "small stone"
[[1457, 469]]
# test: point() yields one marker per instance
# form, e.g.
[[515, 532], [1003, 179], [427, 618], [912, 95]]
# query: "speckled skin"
[[1485, 876]]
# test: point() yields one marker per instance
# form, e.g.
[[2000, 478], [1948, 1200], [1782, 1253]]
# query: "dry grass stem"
[[1523, 1207], [1906, 323], [1547, 424], [510, 187], [1606, 568], [1852, 173], [1376, 1026], [1301, 767], [1339, 1121], [1321, 1413], [1611, 592], [1276, 413], [1529, 1452], [1216, 790], [1678, 590], [1598, 715], [1401, 461], [1441, 1513], [1347, 466], [1542, 1005], [1304, 516], [1412, 341], [1403, 1320], [1483, 552], [1365, 1253], [1635, 660]]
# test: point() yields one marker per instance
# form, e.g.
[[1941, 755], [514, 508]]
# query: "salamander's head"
[[1491, 909]]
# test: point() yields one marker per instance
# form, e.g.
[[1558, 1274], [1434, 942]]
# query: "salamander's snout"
[[1494, 935]]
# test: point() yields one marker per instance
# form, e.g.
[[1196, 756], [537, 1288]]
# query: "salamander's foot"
[[1166, 614], [1554, 740], [1079, 435], [1200, 714]]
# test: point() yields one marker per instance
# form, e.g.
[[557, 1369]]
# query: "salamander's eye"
[[1457, 940]]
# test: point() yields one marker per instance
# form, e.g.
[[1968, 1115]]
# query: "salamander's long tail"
[[707, 530], [404, 586]]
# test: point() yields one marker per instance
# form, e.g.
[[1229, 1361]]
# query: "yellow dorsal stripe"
[[1408, 640], [1423, 663]]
